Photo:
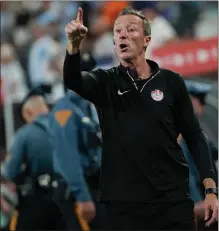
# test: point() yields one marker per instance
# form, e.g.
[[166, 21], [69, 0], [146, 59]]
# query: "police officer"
[[29, 165], [198, 92], [77, 158]]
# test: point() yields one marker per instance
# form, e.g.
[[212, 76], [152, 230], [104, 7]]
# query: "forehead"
[[128, 19]]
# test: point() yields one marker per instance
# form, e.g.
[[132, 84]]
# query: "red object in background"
[[188, 58]]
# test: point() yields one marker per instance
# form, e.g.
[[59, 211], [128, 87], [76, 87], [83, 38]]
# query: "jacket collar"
[[153, 65]]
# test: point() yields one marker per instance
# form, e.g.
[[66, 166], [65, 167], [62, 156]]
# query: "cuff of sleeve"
[[211, 174], [77, 55], [83, 195]]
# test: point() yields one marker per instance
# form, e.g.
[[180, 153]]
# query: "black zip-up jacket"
[[140, 122]]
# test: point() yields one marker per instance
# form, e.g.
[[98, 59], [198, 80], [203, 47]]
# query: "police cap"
[[198, 89], [40, 90]]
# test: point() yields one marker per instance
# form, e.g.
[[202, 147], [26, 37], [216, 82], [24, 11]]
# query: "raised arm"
[[89, 85]]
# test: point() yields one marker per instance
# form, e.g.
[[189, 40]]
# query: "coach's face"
[[129, 38]]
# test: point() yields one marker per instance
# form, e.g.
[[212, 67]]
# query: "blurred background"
[[184, 39]]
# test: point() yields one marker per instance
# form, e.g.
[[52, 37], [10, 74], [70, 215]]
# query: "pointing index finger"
[[80, 15]]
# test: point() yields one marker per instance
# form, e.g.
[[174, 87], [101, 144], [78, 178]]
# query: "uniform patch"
[[63, 116], [157, 95]]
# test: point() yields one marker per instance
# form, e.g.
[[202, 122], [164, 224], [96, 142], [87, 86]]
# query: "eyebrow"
[[134, 23]]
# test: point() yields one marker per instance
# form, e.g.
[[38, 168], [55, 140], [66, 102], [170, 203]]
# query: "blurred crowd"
[[33, 38]]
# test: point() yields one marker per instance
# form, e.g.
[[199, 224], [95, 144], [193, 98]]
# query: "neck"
[[140, 65]]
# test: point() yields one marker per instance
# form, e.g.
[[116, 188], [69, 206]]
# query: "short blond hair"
[[146, 22]]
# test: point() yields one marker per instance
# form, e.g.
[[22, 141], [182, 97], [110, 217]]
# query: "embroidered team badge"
[[157, 95]]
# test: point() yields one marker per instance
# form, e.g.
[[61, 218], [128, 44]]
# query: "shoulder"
[[62, 104], [21, 134], [172, 77], [23, 131], [104, 72]]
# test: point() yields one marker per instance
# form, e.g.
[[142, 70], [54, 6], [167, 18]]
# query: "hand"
[[86, 210], [5, 207], [211, 205], [4, 204], [199, 209], [75, 30]]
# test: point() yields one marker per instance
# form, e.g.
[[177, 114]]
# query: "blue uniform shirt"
[[31, 146], [73, 157], [194, 178]]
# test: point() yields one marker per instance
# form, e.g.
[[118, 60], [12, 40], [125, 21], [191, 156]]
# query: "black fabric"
[[66, 201], [140, 131], [37, 213], [143, 216], [201, 225]]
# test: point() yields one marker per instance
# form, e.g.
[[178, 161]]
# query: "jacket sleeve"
[[188, 125], [66, 154], [12, 166], [89, 85]]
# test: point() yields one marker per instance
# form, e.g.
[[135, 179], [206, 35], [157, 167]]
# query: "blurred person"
[[42, 50], [63, 11], [142, 109], [20, 34], [198, 92], [108, 14], [13, 80], [32, 7], [7, 19], [162, 31], [189, 13], [29, 164], [45, 6], [208, 15], [100, 34], [77, 157], [55, 66]]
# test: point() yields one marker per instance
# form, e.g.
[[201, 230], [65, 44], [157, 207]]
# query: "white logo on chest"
[[157, 95]]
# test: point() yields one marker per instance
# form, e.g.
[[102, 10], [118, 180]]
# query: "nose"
[[123, 34]]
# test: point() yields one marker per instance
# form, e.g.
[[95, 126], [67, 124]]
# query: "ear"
[[27, 114], [147, 40]]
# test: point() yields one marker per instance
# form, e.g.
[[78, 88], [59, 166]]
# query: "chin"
[[126, 57]]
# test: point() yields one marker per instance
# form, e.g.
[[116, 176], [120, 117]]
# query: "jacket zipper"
[[136, 87]]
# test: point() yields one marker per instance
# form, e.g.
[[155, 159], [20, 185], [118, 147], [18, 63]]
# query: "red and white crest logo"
[[157, 95]]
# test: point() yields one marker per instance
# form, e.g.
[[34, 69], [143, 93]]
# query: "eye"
[[117, 30], [132, 29]]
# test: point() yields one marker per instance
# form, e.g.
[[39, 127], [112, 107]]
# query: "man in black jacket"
[[142, 109]]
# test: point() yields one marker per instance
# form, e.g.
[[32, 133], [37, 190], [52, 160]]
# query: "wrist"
[[211, 191], [73, 47]]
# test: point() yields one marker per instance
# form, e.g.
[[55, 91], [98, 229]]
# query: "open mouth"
[[123, 46]]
